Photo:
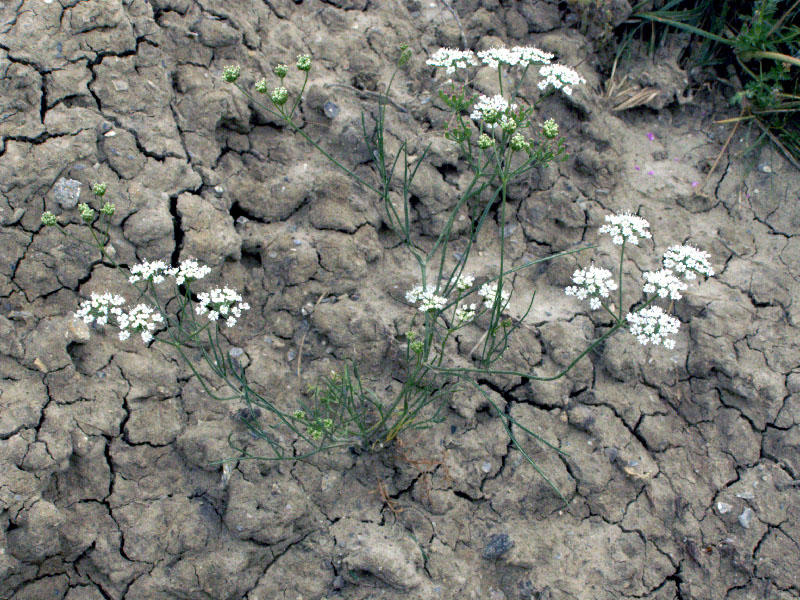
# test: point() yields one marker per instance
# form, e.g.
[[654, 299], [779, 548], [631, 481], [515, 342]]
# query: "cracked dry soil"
[[106, 486]]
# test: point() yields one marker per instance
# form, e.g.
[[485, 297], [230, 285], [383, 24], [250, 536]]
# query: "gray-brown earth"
[[106, 484]]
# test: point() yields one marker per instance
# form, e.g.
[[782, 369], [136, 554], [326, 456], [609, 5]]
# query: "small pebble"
[[746, 517], [486, 467], [765, 169], [330, 109], [218, 190], [724, 508], [292, 354], [236, 352]]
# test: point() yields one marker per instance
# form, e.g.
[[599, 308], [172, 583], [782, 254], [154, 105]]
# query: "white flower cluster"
[[560, 77], [427, 300], [189, 270], [149, 271], [464, 314], [451, 59], [664, 283], [518, 55], [99, 307], [688, 260], [488, 292], [490, 109], [141, 319], [652, 325], [592, 283], [221, 302], [464, 282], [626, 228]]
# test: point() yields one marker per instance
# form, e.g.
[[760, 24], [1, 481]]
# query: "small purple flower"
[[695, 183], [651, 172], [637, 167], [651, 137]]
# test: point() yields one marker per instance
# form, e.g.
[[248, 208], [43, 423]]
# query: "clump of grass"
[[760, 40]]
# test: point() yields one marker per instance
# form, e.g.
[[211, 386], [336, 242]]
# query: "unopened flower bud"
[[108, 209], [261, 86], [279, 96], [48, 219], [281, 70], [99, 189], [231, 73], [304, 62], [550, 129]]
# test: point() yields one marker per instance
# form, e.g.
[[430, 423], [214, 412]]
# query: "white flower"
[[430, 301], [688, 260], [189, 270], [490, 109], [140, 319], [626, 228], [489, 293], [414, 294], [451, 59], [464, 282], [592, 283], [652, 326], [560, 77], [147, 271], [664, 283], [224, 302], [99, 307], [518, 55], [464, 314], [124, 335]]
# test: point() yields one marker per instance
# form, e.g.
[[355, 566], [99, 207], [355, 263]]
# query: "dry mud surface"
[[106, 486]]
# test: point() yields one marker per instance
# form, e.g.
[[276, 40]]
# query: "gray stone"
[[67, 192]]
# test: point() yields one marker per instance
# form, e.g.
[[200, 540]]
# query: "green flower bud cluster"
[[48, 219], [231, 73], [99, 189], [518, 142], [485, 142], [108, 209], [261, 86], [550, 129], [304, 62], [281, 70], [279, 96], [87, 213]]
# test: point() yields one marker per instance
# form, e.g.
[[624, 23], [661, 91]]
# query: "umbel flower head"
[[231, 73], [689, 261], [451, 59], [592, 283], [188, 271], [550, 129], [141, 319], [652, 325], [281, 70], [223, 303], [149, 271], [485, 142], [491, 109], [488, 292], [99, 189], [464, 314], [626, 228], [517, 56], [279, 96], [559, 77], [48, 219], [304, 62], [465, 281], [87, 213], [99, 308], [261, 86], [427, 300], [664, 283]]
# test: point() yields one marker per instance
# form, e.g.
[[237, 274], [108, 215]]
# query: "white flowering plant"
[[500, 138]]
